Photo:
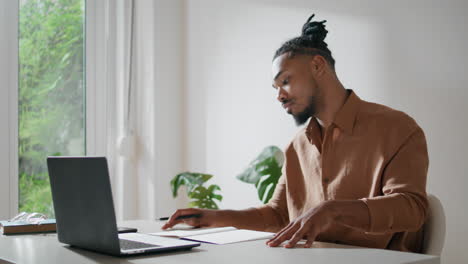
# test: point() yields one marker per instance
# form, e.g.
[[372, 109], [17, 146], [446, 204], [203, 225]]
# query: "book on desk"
[[24, 227]]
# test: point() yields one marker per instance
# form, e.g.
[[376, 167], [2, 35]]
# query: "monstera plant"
[[201, 197], [264, 172]]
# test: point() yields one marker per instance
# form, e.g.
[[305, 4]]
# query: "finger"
[[284, 236], [310, 239], [308, 243], [287, 234], [280, 232], [173, 219], [295, 238]]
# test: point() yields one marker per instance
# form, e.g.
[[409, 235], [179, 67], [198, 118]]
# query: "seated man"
[[356, 174]]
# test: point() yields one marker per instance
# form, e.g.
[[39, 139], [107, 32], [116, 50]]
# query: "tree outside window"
[[51, 93]]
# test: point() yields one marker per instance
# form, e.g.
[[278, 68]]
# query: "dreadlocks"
[[311, 42]]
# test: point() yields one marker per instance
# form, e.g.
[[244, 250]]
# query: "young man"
[[356, 174]]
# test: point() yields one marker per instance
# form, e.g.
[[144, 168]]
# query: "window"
[[51, 105]]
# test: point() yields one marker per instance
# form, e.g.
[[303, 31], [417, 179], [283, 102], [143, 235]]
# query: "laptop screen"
[[82, 198]]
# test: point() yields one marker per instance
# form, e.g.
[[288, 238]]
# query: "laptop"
[[84, 210]]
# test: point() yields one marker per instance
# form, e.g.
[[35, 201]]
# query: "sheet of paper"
[[192, 232], [233, 236]]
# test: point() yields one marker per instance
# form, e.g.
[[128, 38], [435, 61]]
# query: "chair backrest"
[[434, 228]]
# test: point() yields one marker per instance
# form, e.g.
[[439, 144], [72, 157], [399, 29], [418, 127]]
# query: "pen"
[[182, 217]]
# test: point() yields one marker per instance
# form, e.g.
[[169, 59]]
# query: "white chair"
[[434, 228]]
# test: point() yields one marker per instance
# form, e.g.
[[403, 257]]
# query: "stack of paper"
[[219, 236]]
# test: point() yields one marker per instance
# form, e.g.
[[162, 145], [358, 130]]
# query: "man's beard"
[[309, 111]]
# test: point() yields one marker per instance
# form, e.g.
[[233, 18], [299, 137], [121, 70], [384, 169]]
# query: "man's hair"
[[310, 42]]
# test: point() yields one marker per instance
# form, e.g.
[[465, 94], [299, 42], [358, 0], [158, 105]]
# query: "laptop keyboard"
[[129, 244]]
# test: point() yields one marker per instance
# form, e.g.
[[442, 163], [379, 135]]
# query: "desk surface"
[[44, 248]]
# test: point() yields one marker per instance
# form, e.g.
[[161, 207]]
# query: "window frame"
[[97, 50], [9, 109]]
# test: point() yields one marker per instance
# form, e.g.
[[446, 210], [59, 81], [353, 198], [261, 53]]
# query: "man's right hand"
[[207, 218]]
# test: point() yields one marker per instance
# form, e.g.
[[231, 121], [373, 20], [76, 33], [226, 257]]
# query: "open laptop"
[[84, 210]]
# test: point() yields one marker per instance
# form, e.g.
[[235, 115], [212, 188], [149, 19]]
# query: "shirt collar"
[[346, 116]]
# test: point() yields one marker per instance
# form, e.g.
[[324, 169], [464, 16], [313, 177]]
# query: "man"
[[356, 174]]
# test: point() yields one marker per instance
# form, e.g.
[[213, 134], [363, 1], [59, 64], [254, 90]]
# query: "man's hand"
[[350, 213], [249, 218], [206, 218], [307, 226]]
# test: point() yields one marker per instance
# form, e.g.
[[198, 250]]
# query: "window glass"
[[51, 93]]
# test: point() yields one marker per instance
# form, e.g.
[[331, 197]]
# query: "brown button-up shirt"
[[370, 152]]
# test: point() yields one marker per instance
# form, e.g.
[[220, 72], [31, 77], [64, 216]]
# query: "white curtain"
[[130, 129]]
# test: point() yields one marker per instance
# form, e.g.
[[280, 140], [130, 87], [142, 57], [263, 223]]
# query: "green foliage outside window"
[[51, 93]]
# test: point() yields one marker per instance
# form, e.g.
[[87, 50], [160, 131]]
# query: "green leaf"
[[189, 179], [204, 198], [264, 172], [253, 172], [267, 184], [211, 190]]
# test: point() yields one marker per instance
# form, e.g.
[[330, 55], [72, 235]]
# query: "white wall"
[[410, 55], [168, 99]]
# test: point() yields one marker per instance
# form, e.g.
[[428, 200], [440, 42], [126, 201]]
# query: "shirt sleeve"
[[403, 205]]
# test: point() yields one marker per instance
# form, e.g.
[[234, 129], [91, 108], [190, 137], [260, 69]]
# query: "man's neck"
[[332, 104]]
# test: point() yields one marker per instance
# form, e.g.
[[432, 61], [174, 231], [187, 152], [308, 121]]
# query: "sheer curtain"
[[130, 110], [140, 132]]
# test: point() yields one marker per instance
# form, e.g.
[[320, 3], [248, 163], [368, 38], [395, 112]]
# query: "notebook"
[[23, 227], [218, 236]]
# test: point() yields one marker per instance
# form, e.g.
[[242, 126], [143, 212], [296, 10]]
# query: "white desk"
[[45, 248]]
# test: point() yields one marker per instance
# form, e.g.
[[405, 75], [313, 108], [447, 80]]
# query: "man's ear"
[[318, 65]]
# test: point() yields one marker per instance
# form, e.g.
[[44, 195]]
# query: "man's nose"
[[282, 96]]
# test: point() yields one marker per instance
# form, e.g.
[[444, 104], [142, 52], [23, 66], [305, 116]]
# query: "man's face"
[[297, 88]]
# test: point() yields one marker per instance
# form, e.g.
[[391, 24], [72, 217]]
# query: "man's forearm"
[[354, 214], [243, 219], [264, 219]]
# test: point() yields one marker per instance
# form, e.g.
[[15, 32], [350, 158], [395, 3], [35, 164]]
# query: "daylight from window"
[[51, 93]]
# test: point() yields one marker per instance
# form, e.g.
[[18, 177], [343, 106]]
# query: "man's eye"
[[286, 81]]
